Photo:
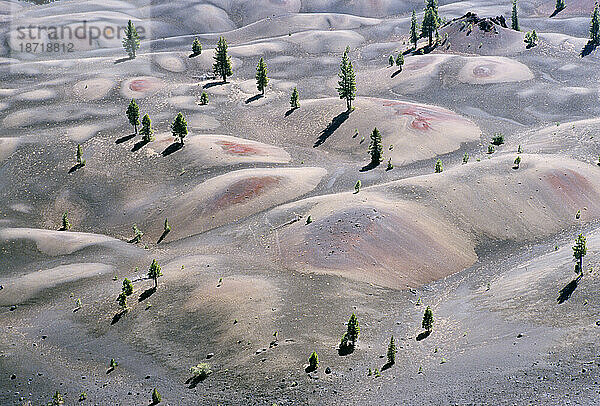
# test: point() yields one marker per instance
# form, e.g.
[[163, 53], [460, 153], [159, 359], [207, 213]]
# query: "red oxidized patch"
[[239, 149]]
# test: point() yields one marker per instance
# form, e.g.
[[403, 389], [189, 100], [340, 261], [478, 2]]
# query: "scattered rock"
[[210, 355], [519, 335], [12, 308], [327, 370], [13, 376]]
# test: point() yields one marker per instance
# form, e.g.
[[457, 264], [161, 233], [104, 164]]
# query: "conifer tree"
[[391, 60], [391, 352], [66, 225], [353, 330], [179, 127], [531, 39], [156, 398], [131, 42], [127, 287], [147, 130], [414, 30], [465, 158], [196, 47], [375, 147], [122, 301], [439, 167], [167, 227], [595, 26], [347, 83], [560, 5], [294, 99], [80, 161], [517, 162], [313, 361], [261, 76], [222, 65], [430, 24], [204, 99], [137, 234], [427, 323], [400, 60], [154, 272], [514, 18], [357, 186], [133, 115], [579, 251], [57, 399]]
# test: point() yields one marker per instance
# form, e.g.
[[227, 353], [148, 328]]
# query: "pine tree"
[[579, 251], [196, 47], [414, 30], [439, 167], [113, 364], [57, 399], [137, 234], [147, 130], [465, 158], [514, 17], [127, 287], [154, 272], [179, 127], [427, 323], [80, 161], [517, 162], [122, 301], [375, 147], [66, 225], [391, 60], [347, 83], [167, 227], [294, 99], [204, 99], [391, 352], [357, 186], [531, 39], [222, 65], [430, 24], [261, 76], [353, 329], [133, 115], [156, 398], [595, 26], [400, 60], [131, 42], [313, 361], [560, 5]]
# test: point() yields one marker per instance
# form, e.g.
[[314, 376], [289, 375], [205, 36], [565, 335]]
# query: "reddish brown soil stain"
[[239, 149], [423, 119], [244, 190], [484, 71], [572, 185], [141, 85]]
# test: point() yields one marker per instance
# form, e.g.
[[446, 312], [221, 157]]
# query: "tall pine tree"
[[222, 65], [131, 42], [431, 22], [261, 76], [294, 99], [347, 83], [414, 30], [196, 47], [179, 127], [353, 330], [133, 115], [595, 26], [147, 130], [514, 17], [391, 352], [375, 147]]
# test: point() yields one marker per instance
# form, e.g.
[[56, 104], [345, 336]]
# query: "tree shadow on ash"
[[588, 48], [253, 98], [138, 145], [566, 292], [387, 365], [556, 11], [125, 138], [345, 350], [423, 335], [194, 381], [163, 235], [290, 111], [75, 167], [174, 147], [369, 166], [124, 59], [117, 317], [146, 294], [396, 73], [213, 84], [336, 122]]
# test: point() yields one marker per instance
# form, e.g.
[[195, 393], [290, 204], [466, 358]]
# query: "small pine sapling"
[[204, 99], [196, 47], [357, 186], [156, 398], [439, 167], [66, 224]]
